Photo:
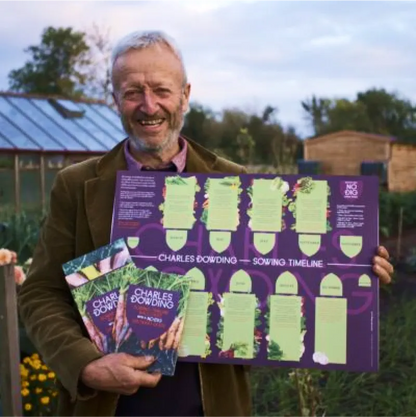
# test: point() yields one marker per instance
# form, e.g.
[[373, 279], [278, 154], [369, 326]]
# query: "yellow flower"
[[44, 400], [25, 392], [24, 372], [38, 390], [44, 367], [32, 377], [51, 375], [42, 377], [26, 360], [28, 407], [35, 356], [36, 364], [25, 384]]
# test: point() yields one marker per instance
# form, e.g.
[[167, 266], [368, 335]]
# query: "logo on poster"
[[351, 190]]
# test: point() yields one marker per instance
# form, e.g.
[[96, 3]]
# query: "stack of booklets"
[[127, 309]]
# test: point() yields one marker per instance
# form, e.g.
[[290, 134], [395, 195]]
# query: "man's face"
[[151, 97]]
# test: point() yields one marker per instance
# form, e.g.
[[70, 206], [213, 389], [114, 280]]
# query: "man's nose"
[[149, 103]]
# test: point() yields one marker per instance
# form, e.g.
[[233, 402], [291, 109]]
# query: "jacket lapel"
[[99, 195], [99, 191]]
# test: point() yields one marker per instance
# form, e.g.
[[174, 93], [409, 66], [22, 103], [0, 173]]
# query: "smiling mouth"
[[155, 122]]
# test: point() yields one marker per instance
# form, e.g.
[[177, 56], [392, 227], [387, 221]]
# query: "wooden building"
[[402, 168], [39, 135], [358, 153]]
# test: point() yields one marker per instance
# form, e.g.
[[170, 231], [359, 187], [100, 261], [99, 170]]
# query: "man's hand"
[[119, 373], [381, 266]]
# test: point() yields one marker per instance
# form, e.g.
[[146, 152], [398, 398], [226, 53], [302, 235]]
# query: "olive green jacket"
[[79, 221]]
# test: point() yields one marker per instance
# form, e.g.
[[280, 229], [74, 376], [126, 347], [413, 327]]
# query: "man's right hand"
[[119, 373]]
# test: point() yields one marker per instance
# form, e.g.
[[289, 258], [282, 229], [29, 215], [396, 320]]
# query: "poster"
[[281, 266]]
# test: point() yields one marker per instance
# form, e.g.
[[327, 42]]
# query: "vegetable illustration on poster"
[[280, 265]]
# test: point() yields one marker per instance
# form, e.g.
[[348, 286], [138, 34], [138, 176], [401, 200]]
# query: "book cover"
[[126, 309]]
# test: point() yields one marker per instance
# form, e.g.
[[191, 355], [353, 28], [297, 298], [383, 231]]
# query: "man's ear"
[[115, 100], [186, 94]]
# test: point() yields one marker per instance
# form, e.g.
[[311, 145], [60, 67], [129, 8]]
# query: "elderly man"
[[151, 91]]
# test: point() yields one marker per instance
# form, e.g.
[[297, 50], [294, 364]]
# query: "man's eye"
[[162, 91], [131, 94]]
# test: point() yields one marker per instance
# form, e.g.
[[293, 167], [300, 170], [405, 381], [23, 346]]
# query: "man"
[[151, 92]]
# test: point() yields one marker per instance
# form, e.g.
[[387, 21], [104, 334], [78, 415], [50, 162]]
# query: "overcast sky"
[[248, 54]]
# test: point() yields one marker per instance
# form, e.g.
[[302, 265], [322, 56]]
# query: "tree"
[[99, 70], [245, 144], [373, 111], [57, 65]]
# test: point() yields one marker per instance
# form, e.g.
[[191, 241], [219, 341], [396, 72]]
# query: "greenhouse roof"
[[49, 124]]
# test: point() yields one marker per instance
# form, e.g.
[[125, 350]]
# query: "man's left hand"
[[381, 265]]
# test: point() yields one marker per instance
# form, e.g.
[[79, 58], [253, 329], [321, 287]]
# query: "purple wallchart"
[[280, 265]]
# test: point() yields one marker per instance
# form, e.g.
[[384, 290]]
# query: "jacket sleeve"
[[45, 302]]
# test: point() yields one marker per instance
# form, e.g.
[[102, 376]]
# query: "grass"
[[390, 392]]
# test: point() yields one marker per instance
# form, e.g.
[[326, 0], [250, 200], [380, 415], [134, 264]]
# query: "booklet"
[[126, 309]]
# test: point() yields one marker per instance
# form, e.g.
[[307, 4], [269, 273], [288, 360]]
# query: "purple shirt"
[[178, 395], [178, 162]]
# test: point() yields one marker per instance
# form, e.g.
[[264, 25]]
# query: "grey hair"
[[144, 39]]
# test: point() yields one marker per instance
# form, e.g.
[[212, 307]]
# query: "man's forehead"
[[155, 64]]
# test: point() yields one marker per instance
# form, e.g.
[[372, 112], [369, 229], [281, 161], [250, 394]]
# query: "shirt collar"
[[177, 164]]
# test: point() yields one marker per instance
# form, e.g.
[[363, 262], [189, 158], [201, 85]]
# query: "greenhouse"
[[39, 135]]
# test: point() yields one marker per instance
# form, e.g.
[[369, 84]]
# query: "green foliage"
[[373, 111], [390, 205], [57, 65], [244, 137], [19, 232]]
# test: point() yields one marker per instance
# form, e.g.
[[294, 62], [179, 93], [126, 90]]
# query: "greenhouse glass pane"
[[14, 135], [5, 144], [29, 161], [30, 194], [66, 141], [68, 124], [25, 124], [116, 134], [55, 162], [109, 114], [6, 160], [7, 195]]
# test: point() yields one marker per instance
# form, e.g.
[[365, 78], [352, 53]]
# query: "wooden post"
[[17, 183], [399, 237], [42, 182], [10, 384]]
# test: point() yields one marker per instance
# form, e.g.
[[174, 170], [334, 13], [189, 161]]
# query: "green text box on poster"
[[194, 333], [331, 329], [179, 204], [285, 325], [222, 206], [267, 207], [239, 322], [311, 209]]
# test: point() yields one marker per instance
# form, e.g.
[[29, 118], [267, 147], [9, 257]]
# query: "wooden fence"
[[10, 386]]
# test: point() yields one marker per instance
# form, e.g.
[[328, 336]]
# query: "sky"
[[248, 54]]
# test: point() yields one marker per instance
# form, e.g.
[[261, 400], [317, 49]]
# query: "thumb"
[[139, 362]]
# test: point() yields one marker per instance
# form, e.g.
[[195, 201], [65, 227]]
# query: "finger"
[[138, 362], [148, 380], [384, 264], [382, 274], [382, 251]]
